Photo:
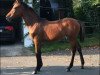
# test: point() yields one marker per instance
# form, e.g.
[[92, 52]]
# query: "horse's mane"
[[28, 7]]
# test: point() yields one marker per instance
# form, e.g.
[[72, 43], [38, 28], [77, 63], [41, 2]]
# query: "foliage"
[[35, 5], [89, 12], [86, 10]]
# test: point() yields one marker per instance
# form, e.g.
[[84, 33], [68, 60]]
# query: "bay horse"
[[41, 30]]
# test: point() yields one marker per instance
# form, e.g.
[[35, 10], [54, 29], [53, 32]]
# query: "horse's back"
[[54, 30]]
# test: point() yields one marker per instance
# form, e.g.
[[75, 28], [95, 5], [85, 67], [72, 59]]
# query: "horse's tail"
[[82, 31]]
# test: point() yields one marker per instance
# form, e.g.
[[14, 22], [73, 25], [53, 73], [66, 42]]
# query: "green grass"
[[52, 46], [89, 42]]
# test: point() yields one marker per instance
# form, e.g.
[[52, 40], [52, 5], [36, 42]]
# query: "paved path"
[[54, 63]]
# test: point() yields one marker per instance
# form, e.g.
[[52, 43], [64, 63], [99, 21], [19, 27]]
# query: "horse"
[[41, 30]]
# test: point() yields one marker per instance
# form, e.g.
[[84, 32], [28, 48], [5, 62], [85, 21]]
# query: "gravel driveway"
[[55, 63]]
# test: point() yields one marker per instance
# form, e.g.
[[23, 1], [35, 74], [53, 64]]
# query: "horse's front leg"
[[38, 55]]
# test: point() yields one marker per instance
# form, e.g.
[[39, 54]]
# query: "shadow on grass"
[[51, 70]]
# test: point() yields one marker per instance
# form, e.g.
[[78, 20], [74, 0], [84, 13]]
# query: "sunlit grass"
[[52, 46], [93, 41]]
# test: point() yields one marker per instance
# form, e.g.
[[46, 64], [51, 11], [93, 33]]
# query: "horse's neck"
[[30, 18]]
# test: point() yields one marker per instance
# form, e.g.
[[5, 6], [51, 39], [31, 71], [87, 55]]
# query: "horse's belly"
[[54, 32], [54, 36]]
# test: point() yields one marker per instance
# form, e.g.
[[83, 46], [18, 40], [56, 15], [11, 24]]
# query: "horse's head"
[[16, 11]]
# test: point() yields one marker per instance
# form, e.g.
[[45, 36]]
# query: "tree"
[[86, 10]]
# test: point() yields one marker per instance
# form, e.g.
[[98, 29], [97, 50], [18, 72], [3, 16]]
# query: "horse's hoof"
[[68, 70], [82, 67], [34, 72]]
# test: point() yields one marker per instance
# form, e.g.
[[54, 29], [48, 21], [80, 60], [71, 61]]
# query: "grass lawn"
[[52, 46]]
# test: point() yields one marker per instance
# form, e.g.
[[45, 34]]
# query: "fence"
[[91, 28]]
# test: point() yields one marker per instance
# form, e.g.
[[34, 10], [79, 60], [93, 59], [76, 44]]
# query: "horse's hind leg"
[[73, 46], [81, 55]]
